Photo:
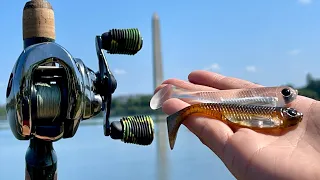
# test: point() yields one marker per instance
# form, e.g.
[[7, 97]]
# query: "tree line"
[[139, 104]]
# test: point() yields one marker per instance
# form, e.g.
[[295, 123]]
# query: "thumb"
[[213, 133]]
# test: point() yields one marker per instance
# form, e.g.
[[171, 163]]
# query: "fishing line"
[[48, 100]]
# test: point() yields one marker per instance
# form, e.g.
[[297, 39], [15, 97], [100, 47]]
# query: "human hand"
[[249, 154]]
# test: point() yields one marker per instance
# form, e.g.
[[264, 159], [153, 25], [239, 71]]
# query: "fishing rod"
[[50, 91]]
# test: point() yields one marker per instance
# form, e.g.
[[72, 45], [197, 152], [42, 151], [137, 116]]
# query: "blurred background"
[[269, 42]]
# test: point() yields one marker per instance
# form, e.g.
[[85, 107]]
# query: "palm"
[[252, 155], [291, 156]]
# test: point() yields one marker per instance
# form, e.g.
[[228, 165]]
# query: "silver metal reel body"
[[77, 88]]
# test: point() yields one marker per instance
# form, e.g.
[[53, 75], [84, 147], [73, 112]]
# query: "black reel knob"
[[133, 129]]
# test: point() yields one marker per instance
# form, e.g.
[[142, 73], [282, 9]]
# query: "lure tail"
[[173, 125], [160, 97]]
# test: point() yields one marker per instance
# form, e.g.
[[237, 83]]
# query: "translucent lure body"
[[263, 96], [249, 116]]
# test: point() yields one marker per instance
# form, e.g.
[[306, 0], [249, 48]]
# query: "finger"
[[219, 81], [185, 85], [158, 88], [212, 133]]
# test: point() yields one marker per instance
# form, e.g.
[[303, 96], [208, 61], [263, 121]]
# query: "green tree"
[[309, 93]]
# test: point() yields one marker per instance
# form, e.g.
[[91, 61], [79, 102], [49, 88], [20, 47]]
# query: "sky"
[[271, 42]]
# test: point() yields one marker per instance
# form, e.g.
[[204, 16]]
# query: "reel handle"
[[115, 41]]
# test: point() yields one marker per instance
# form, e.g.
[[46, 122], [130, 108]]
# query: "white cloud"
[[213, 67], [305, 1], [120, 71], [251, 69], [294, 52]]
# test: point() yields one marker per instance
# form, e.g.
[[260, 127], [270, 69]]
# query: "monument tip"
[[155, 16]]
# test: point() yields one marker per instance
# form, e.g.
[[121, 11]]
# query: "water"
[[91, 155]]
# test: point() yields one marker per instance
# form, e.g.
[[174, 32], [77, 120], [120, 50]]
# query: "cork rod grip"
[[38, 20]]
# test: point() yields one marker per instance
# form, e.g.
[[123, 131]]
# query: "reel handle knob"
[[133, 129]]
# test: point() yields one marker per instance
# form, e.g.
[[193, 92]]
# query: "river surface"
[[91, 155]]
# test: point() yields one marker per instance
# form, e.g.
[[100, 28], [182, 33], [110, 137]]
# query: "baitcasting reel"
[[49, 92]]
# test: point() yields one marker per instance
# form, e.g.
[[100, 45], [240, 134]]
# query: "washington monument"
[[162, 142], [157, 54]]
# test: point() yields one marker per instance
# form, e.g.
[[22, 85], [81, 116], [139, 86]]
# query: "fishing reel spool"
[[50, 92]]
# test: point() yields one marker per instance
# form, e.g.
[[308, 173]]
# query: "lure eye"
[[292, 112], [286, 92]]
